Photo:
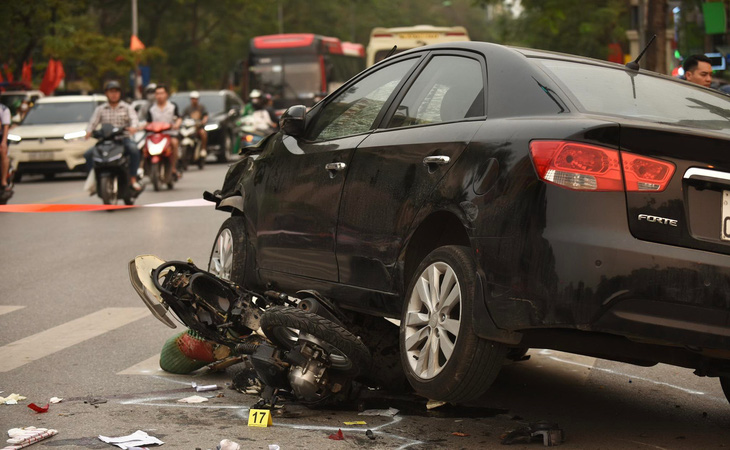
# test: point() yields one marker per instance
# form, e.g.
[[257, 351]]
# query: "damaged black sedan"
[[493, 199]]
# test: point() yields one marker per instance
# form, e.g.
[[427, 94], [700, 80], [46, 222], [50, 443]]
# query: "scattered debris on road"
[[193, 399], [11, 399], [370, 435], [95, 401], [337, 436], [549, 433], [210, 387], [39, 409], [226, 444], [390, 412], [23, 437], [136, 439], [55, 400]]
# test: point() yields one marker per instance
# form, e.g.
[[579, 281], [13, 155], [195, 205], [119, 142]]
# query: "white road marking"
[[4, 309], [182, 203], [31, 348], [616, 372]]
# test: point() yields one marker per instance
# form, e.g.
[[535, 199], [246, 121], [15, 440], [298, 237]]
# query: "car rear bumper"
[[581, 268]]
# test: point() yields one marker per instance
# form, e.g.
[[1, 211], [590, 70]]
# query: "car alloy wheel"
[[433, 320], [228, 256]]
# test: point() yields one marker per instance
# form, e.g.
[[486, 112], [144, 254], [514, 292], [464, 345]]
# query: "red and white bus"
[[296, 68]]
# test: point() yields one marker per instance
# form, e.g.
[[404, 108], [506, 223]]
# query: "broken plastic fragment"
[[337, 436], [210, 387], [55, 400], [370, 435], [11, 399], [38, 409], [460, 434], [433, 404], [226, 444], [193, 399]]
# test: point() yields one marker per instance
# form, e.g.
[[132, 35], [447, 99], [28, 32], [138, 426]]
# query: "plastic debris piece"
[[226, 444], [210, 387], [193, 399], [356, 422], [460, 434], [95, 401], [549, 433], [433, 404], [39, 409], [390, 412], [370, 435], [273, 447], [55, 400], [136, 439], [11, 399], [23, 437], [337, 436]]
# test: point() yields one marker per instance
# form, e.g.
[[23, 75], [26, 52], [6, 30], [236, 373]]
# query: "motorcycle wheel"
[[155, 175], [184, 162], [108, 190], [285, 326], [201, 162], [167, 176]]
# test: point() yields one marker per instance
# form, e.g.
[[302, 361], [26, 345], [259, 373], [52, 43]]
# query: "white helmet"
[[195, 94], [255, 94]]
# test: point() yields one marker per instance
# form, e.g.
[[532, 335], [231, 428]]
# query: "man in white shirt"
[[4, 159], [165, 111]]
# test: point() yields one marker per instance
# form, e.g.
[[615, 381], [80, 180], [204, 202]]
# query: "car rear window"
[[618, 92], [63, 112]]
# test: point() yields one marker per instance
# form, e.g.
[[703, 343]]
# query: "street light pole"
[[136, 89]]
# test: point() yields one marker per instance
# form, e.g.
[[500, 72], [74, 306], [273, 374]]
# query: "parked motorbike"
[[190, 145], [309, 354], [111, 167], [157, 154]]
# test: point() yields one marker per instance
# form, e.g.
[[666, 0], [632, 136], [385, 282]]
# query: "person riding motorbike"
[[119, 114], [149, 94], [261, 118], [196, 110], [166, 111]]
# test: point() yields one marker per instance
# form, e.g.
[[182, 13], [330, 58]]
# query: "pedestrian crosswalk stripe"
[[4, 309], [31, 348]]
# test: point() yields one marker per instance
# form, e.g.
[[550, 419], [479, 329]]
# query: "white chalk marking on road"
[[643, 443], [39, 345], [150, 366], [156, 401], [4, 309], [616, 372], [182, 203]]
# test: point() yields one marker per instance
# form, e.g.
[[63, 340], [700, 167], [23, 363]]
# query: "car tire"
[[228, 255], [725, 383], [347, 354], [460, 365], [225, 148]]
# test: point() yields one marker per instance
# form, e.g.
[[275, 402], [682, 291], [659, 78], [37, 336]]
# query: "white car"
[[51, 139]]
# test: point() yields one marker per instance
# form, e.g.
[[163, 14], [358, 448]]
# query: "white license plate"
[[725, 224], [40, 156]]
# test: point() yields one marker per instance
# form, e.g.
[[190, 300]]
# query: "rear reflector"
[[587, 167]]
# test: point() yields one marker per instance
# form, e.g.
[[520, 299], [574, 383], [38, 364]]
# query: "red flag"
[[1, 78], [135, 44], [27, 74], [8, 73], [52, 78]]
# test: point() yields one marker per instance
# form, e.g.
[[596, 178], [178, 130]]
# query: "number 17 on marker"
[[259, 418]]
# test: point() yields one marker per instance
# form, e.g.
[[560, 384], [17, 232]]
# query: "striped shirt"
[[122, 116]]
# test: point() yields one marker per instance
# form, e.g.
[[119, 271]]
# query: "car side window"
[[354, 110], [449, 88]]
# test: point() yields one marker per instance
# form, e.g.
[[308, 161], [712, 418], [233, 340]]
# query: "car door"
[[396, 167], [304, 176]]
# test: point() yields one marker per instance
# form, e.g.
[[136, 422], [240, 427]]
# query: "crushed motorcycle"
[[308, 352]]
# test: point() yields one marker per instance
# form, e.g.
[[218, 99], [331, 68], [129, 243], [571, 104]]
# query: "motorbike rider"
[[149, 94], [119, 114], [262, 119], [167, 112], [4, 159], [197, 111]]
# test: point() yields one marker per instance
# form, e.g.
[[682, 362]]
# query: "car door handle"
[[335, 167], [439, 160]]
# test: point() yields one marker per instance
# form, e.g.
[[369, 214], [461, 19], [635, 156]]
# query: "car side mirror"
[[292, 121]]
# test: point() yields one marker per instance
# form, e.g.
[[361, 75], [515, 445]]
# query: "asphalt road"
[[71, 326]]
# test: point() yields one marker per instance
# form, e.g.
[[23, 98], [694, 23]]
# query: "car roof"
[[72, 99]]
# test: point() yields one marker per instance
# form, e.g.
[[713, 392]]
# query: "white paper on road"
[[136, 439], [193, 399], [11, 399], [390, 412]]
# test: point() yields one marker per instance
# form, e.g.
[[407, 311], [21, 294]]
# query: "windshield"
[[54, 113], [619, 92], [213, 102], [289, 79]]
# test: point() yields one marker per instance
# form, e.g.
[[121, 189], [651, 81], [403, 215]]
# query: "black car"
[[496, 199], [224, 107]]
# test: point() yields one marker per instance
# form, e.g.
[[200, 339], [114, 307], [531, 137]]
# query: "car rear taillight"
[[588, 167]]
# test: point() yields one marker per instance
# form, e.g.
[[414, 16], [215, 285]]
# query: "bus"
[[297, 68], [382, 40]]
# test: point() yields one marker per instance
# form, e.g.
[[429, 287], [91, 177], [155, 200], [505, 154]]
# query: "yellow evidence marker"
[[259, 418]]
